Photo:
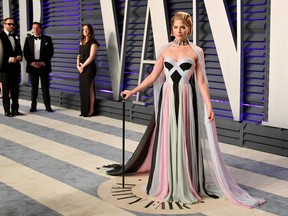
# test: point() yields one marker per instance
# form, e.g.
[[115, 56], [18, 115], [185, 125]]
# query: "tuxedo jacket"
[[9, 52], [1, 53], [46, 54]]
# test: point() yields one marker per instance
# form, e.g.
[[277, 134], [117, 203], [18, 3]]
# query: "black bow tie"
[[37, 38], [10, 34]]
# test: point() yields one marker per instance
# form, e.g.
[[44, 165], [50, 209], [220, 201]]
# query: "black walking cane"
[[123, 142]]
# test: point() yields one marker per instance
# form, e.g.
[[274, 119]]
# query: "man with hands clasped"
[[38, 52]]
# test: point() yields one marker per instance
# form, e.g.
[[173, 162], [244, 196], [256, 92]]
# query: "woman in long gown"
[[180, 149], [87, 70]]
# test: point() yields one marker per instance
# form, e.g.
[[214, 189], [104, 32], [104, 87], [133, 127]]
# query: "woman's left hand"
[[80, 69]]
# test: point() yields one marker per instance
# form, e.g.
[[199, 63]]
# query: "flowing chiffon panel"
[[186, 150], [226, 182], [215, 170], [175, 184], [146, 166], [160, 183]]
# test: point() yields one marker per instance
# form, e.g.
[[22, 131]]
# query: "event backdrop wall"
[[235, 36]]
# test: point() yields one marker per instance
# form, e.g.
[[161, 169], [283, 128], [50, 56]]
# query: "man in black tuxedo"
[[11, 69], [38, 52]]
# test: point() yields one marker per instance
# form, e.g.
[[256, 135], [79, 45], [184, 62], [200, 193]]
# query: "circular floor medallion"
[[133, 197]]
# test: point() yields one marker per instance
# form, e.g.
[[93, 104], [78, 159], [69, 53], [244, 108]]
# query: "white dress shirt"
[[37, 46], [11, 38]]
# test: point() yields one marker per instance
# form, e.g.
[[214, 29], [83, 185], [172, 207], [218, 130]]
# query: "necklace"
[[181, 43]]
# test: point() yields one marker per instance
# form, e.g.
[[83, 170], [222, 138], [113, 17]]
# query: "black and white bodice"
[[178, 71]]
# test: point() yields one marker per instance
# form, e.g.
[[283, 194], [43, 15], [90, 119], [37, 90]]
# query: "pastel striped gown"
[[173, 168], [180, 148]]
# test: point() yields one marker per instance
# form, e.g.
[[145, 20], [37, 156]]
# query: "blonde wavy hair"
[[185, 17]]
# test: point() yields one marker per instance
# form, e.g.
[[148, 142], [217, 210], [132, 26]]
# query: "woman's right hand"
[[80, 69], [126, 94]]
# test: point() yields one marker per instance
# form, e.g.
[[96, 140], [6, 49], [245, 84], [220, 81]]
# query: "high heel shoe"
[[90, 115]]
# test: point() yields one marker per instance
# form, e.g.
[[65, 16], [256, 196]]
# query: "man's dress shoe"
[[17, 113], [49, 109], [33, 109], [8, 114]]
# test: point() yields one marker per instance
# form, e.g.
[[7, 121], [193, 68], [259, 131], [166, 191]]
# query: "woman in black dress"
[[87, 69], [1, 59]]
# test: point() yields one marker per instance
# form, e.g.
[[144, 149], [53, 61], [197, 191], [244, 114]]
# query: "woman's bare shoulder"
[[163, 49], [168, 50]]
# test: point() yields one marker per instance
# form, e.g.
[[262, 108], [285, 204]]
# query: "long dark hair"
[[90, 35]]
